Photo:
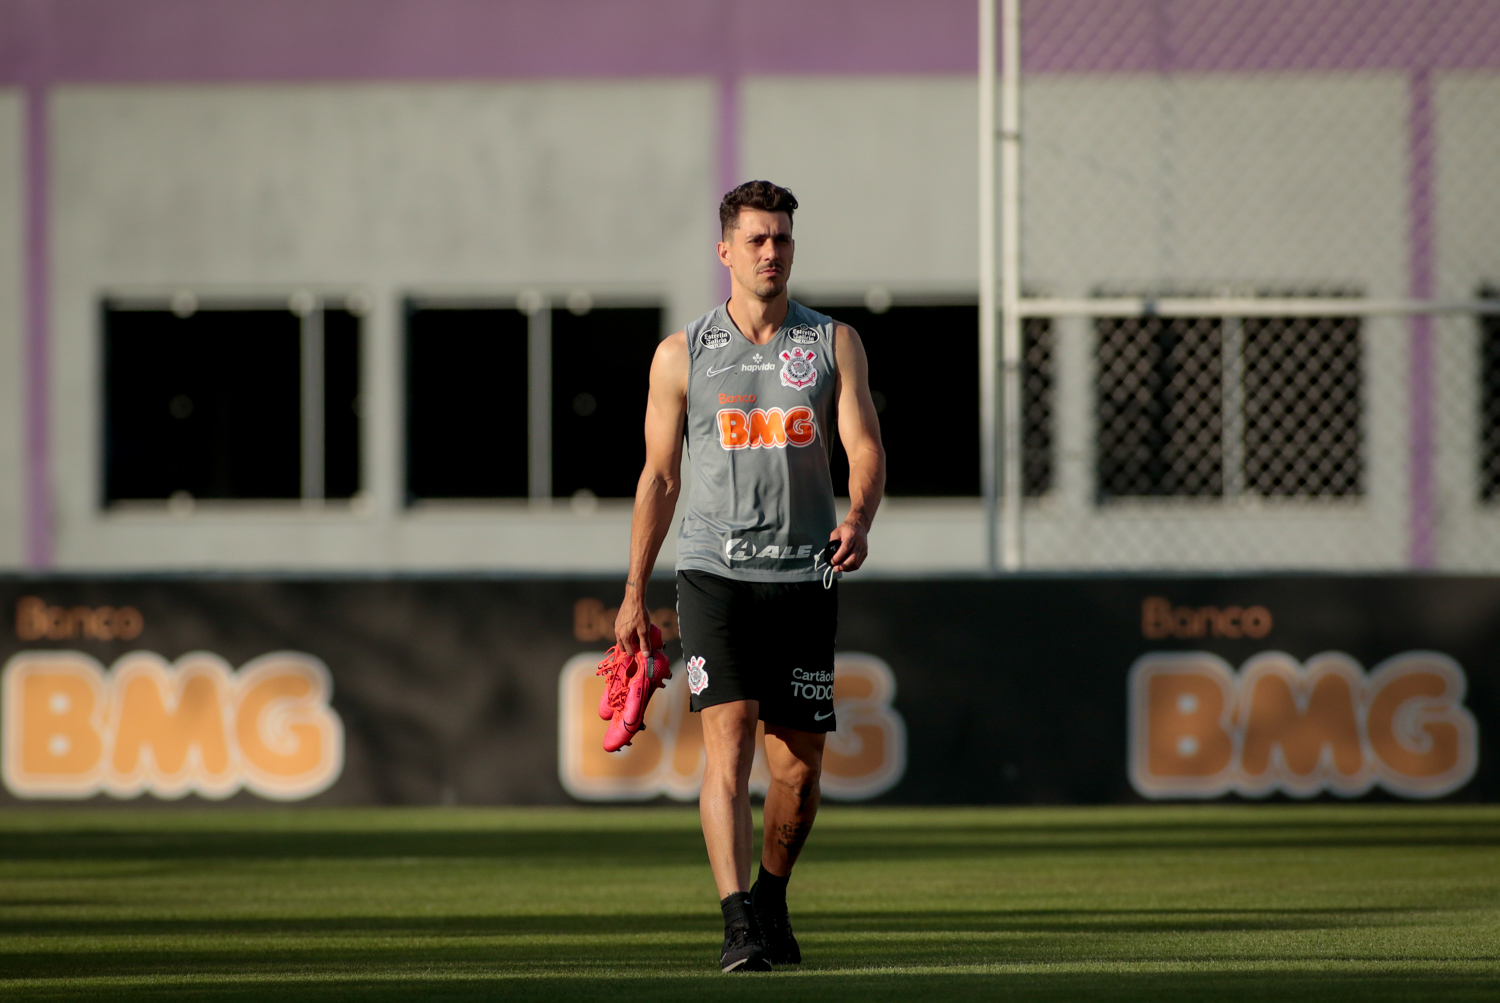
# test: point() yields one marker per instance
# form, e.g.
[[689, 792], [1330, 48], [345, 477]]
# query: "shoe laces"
[[616, 666], [740, 936]]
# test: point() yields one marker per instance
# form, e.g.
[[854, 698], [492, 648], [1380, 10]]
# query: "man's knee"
[[798, 774]]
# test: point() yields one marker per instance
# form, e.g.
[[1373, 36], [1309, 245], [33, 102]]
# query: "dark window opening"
[[924, 379], [601, 369], [1302, 407], [466, 403], [1208, 406], [1037, 377], [342, 404], [1159, 406], [210, 405]]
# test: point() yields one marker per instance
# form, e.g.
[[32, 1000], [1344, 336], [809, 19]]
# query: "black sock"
[[737, 911], [770, 889]]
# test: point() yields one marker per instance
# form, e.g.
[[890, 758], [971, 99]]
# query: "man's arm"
[[660, 483], [859, 430]]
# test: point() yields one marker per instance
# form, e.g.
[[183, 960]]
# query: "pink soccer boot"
[[644, 675]]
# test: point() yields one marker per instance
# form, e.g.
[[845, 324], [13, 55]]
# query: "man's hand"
[[854, 546], [633, 622]]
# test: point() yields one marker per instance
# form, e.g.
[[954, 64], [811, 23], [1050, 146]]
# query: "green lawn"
[[1277, 902]]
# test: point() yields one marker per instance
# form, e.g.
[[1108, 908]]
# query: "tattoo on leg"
[[793, 834]]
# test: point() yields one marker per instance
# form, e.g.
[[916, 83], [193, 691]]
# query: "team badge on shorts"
[[803, 335], [714, 337], [798, 371], [697, 675]]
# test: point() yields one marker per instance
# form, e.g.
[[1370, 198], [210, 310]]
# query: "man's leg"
[[795, 759], [724, 805]]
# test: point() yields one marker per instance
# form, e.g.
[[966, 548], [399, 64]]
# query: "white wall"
[[392, 189], [885, 171], [1468, 252], [1246, 181], [12, 319]]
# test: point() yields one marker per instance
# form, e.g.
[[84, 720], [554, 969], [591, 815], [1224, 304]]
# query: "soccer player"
[[754, 390]]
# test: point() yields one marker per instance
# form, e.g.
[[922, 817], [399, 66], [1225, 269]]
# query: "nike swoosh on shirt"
[[822, 717], [716, 372]]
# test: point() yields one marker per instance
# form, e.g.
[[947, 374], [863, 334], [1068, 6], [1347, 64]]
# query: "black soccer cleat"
[[743, 951], [776, 929]]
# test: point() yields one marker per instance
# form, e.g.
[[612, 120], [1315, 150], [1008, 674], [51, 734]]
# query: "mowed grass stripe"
[[1324, 901]]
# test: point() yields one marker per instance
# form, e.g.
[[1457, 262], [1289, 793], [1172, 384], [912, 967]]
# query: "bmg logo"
[[1198, 729]]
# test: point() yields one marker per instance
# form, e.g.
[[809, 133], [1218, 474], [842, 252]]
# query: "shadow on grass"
[[678, 942], [808, 921], [832, 987], [832, 842]]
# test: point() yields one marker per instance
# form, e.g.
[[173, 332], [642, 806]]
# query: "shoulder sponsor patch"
[[803, 335], [714, 337]]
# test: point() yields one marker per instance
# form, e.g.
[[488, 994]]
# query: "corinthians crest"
[[798, 371]]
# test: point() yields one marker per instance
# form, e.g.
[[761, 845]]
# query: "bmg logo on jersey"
[[769, 428]]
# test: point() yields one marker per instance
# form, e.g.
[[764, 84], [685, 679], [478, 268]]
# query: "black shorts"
[[771, 642]]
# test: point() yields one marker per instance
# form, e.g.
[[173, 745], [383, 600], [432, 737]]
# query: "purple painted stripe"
[[38, 489], [1197, 36], [279, 40], [1422, 513]]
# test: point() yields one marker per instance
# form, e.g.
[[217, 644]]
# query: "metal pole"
[[312, 398], [1010, 281], [539, 393], [988, 308]]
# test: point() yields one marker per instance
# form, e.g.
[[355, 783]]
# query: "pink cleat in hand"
[[632, 680]]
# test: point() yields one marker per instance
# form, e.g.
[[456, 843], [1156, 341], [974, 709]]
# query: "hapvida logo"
[[72, 730], [1198, 729], [864, 758]]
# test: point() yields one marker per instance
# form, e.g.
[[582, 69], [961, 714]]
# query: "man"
[[756, 387]]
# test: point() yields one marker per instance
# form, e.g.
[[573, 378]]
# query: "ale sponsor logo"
[[1198, 729], [71, 729], [863, 759], [770, 428], [714, 337], [803, 335]]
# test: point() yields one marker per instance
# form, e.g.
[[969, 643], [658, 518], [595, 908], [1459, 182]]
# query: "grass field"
[[1274, 902]]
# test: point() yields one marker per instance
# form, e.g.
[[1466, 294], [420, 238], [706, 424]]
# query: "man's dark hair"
[[760, 195]]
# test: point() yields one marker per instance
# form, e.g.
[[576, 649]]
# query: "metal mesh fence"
[[1260, 249]]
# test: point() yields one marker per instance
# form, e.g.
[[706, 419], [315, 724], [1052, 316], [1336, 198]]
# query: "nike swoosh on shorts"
[[822, 717]]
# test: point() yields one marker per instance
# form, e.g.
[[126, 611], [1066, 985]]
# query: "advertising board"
[[1016, 690]]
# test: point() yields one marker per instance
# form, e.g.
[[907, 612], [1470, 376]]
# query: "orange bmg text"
[[1198, 729], [72, 730]]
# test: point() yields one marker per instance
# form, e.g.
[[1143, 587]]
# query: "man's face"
[[758, 252]]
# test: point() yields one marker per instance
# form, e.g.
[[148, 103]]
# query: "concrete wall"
[[1468, 251], [1243, 181], [457, 189], [12, 320]]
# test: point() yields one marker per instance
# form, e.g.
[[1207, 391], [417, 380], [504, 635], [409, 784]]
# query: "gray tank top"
[[758, 435]]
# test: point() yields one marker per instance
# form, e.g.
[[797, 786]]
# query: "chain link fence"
[[1260, 247]]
